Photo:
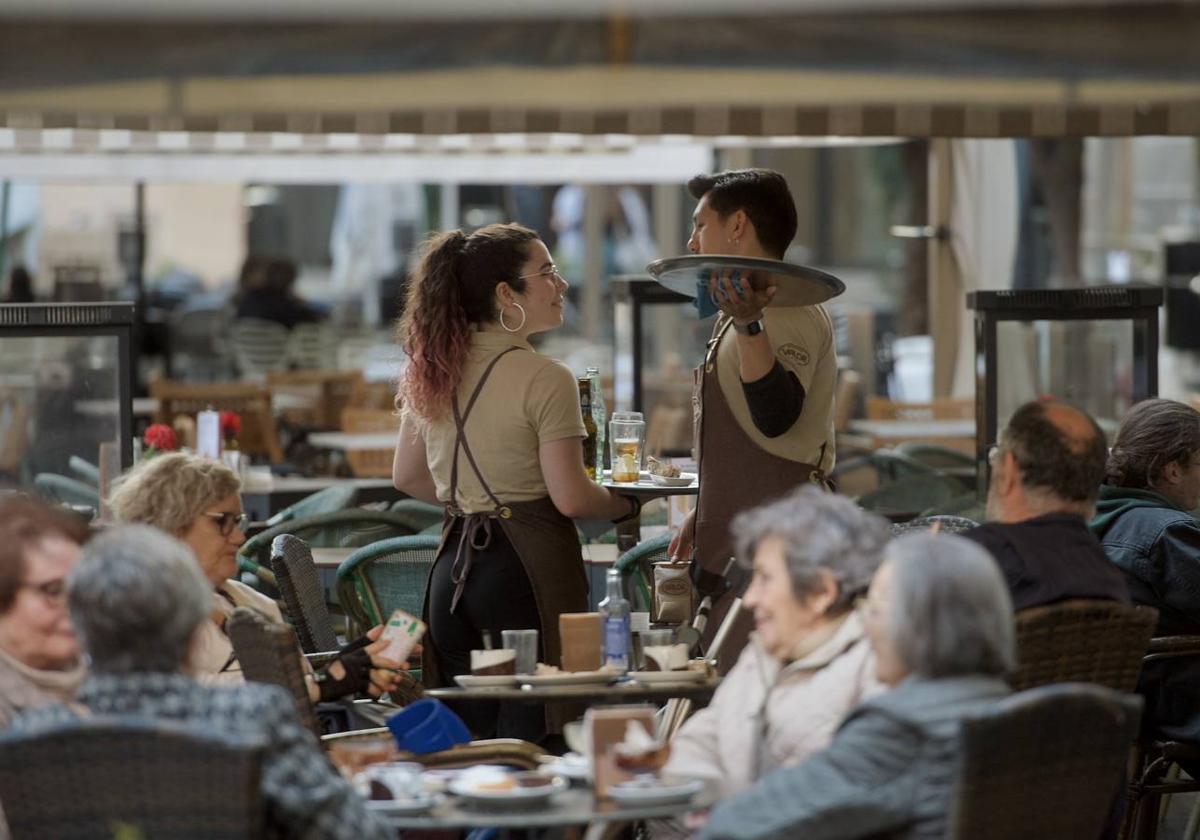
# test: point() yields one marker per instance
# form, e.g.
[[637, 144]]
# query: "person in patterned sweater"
[[136, 599]]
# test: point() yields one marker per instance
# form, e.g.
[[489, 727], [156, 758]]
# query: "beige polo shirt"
[[528, 400], [802, 338]]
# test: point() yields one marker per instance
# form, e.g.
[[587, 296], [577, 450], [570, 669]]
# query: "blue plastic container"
[[427, 726]]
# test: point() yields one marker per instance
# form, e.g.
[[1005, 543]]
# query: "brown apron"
[[544, 539], [739, 476]]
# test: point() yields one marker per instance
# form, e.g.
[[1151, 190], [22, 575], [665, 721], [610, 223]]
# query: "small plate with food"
[[495, 788], [486, 680], [649, 790], [666, 474]]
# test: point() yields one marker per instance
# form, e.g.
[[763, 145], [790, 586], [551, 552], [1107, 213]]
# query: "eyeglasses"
[[227, 521], [552, 270], [53, 591]]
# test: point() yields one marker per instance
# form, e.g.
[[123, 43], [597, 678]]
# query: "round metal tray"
[[797, 285]]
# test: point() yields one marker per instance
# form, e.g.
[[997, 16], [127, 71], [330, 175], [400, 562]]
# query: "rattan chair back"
[[125, 777], [269, 653], [1100, 642], [385, 576], [300, 586], [1048, 762], [251, 401], [349, 528]]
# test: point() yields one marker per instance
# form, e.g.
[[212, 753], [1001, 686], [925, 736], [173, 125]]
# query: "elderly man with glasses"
[[1046, 472]]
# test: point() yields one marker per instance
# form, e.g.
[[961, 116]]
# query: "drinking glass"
[[626, 440], [524, 642]]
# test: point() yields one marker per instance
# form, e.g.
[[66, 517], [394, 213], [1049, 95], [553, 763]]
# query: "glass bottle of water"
[[600, 418], [615, 610]]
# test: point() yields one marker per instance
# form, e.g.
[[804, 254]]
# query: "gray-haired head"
[[820, 531], [951, 613], [135, 598]]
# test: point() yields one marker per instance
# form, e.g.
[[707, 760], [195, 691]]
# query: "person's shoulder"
[[247, 703], [548, 370]]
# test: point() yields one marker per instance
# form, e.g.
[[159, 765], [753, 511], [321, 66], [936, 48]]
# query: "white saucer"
[[571, 766], [658, 677], [404, 807], [486, 680], [464, 788], [682, 480], [568, 678], [663, 793]]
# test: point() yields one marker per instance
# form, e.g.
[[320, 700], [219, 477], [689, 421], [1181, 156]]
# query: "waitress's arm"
[[410, 468], [574, 494]]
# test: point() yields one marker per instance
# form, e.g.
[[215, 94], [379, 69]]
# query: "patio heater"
[[66, 386], [1068, 343]]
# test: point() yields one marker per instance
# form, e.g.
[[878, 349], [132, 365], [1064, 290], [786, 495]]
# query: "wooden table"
[[624, 692], [574, 806]]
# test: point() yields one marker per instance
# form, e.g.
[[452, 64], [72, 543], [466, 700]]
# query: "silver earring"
[[517, 328]]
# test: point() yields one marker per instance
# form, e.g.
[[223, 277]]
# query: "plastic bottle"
[[600, 418], [615, 610]]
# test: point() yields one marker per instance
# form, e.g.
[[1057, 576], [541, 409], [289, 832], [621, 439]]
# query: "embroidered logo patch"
[[794, 354]]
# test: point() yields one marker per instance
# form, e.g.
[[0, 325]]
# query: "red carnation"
[[160, 438], [231, 425]]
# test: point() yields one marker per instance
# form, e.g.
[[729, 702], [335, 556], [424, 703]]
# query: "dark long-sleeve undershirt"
[[775, 401]]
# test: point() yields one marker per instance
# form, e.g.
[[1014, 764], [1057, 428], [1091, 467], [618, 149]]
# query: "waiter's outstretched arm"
[[410, 466]]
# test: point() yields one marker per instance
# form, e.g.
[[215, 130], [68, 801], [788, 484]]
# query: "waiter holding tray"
[[763, 397]]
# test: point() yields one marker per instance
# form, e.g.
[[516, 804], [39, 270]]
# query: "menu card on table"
[[604, 728]]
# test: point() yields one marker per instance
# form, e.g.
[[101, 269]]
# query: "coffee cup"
[[498, 662], [665, 657], [582, 637]]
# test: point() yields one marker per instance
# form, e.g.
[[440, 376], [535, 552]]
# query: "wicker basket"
[[370, 463]]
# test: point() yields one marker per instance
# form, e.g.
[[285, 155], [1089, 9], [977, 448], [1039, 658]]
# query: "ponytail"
[[453, 290]]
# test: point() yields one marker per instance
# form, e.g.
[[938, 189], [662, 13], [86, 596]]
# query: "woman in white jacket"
[[812, 554]]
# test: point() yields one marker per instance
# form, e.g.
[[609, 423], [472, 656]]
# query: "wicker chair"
[[94, 776], [252, 402], [268, 653], [68, 491], [635, 566], [1049, 763], [341, 529], [296, 576], [421, 515], [1155, 761], [259, 346], [331, 499], [945, 525], [87, 472], [1100, 642], [385, 576], [330, 390]]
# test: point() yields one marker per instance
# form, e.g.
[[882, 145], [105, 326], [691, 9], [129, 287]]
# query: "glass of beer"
[[626, 440]]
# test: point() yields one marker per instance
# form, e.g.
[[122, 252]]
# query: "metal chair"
[[1099, 642], [296, 576], [311, 346], [113, 777], [331, 499], [1049, 762], [909, 497], [341, 529], [384, 576], [68, 491], [269, 653]]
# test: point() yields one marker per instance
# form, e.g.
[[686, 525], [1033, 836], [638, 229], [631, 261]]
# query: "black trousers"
[[497, 597]]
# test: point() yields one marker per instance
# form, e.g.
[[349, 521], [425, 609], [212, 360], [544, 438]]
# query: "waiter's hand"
[[737, 298], [684, 539]]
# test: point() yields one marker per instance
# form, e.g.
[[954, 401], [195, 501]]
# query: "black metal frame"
[[638, 291], [1139, 304], [33, 320]]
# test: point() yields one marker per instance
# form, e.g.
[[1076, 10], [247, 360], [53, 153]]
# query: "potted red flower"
[[158, 437], [231, 427]]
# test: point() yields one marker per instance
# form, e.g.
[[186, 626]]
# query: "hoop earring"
[[517, 328]]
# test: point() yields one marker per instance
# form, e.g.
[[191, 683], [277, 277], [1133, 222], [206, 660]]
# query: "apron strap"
[[478, 528], [460, 440]]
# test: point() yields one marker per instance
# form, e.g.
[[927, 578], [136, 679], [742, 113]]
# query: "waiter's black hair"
[[762, 194]]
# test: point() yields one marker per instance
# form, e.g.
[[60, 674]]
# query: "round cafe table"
[[574, 806], [623, 692]]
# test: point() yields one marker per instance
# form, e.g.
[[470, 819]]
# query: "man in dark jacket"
[[1046, 470], [1144, 522]]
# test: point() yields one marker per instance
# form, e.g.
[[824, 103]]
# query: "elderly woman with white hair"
[[812, 555], [138, 602], [939, 621]]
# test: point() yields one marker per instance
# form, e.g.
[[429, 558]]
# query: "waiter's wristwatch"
[[752, 328]]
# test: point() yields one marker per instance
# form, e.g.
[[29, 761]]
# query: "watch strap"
[[752, 328]]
